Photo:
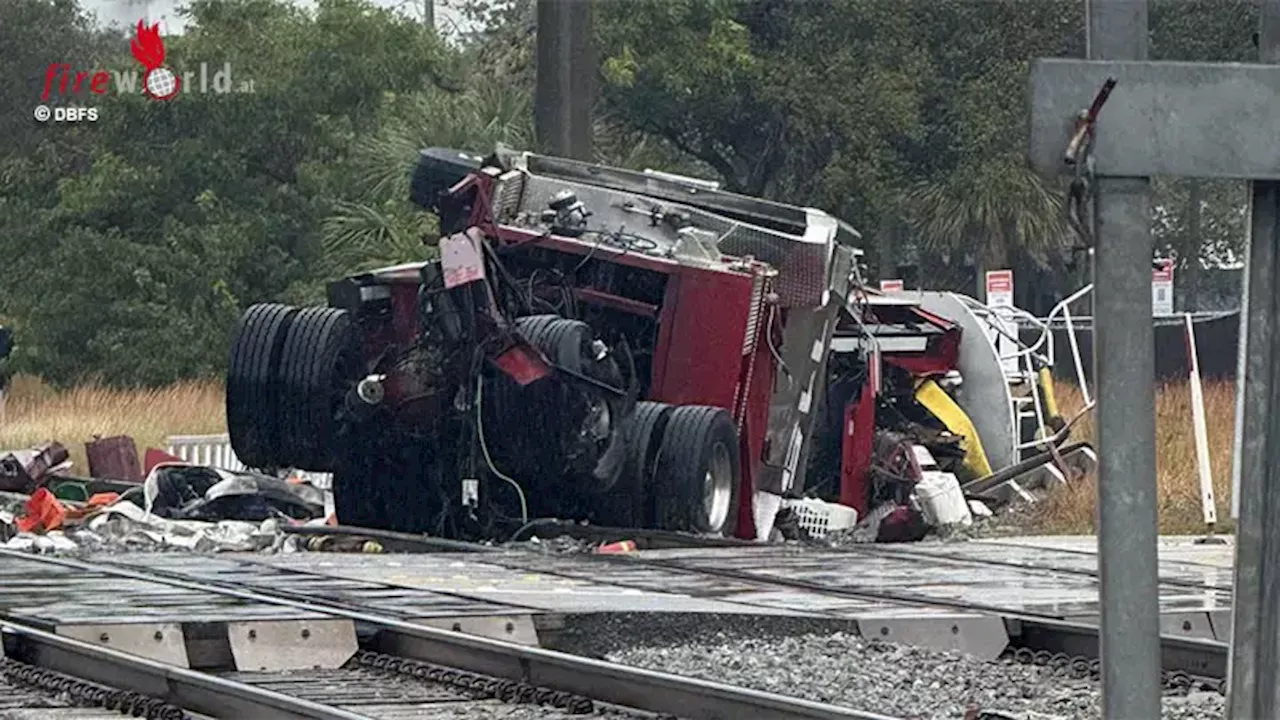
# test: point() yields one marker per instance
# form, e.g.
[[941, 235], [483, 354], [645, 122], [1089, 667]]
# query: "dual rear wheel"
[[683, 470], [290, 369]]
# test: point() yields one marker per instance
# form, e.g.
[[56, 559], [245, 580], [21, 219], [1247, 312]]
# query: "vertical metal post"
[[583, 66], [564, 90], [1124, 373], [1255, 627], [551, 86]]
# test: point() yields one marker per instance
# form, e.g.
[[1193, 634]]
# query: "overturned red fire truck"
[[628, 348]]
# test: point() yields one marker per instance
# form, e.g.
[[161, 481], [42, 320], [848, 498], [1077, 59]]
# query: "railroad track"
[[1035, 637], [1081, 563], [94, 676], [1038, 637], [372, 685], [493, 669]]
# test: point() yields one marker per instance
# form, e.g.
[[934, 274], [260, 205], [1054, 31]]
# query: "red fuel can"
[[113, 458]]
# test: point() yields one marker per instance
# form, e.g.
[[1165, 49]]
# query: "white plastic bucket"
[[942, 502]]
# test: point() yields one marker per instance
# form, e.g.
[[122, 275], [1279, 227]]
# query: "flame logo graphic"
[[147, 47], [159, 82]]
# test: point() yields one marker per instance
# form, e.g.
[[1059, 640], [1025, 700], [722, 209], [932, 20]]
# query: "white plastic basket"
[[215, 451], [819, 517]]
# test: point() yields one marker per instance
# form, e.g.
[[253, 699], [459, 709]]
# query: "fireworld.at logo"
[[159, 81]]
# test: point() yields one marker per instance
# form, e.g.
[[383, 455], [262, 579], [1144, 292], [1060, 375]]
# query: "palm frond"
[[375, 222], [357, 235], [997, 198]]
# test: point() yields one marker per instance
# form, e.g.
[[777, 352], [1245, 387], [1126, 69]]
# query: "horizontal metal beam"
[[1194, 656], [1209, 120], [654, 691], [188, 689]]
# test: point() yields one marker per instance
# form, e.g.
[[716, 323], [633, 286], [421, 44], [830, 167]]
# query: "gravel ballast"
[[841, 668]]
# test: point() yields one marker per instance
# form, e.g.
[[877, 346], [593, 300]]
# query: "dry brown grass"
[[1177, 471], [37, 413]]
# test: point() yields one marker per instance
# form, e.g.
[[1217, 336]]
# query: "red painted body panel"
[[855, 451], [702, 352], [753, 412], [941, 355]]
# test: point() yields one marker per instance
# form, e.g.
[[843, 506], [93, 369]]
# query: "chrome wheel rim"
[[717, 489]]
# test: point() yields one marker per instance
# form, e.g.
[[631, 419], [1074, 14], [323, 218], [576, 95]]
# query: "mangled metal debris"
[[632, 350], [23, 470], [177, 505]]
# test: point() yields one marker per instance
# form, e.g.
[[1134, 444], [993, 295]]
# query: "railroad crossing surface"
[[949, 596], [351, 631], [907, 586]]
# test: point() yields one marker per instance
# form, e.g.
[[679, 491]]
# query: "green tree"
[[33, 35], [1202, 224], [139, 242], [975, 202], [815, 103]]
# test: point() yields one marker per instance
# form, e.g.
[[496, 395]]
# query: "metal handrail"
[[1014, 313], [1064, 308], [1042, 348]]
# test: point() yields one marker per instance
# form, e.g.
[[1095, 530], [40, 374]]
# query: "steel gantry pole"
[[565, 86], [1255, 628], [1124, 368]]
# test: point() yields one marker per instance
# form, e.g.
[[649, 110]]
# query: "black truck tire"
[[253, 393], [533, 327], [627, 503], [698, 471], [562, 340], [319, 361]]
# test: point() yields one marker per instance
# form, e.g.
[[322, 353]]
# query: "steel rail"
[[654, 691], [191, 690], [1206, 658], [1202, 657]]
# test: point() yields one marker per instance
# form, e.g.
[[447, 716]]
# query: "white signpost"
[[891, 286], [1208, 504], [1000, 296], [1162, 288]]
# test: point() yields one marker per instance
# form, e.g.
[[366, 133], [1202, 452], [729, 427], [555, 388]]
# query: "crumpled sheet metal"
[[22, 470], [127, 525], [190, 492]]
